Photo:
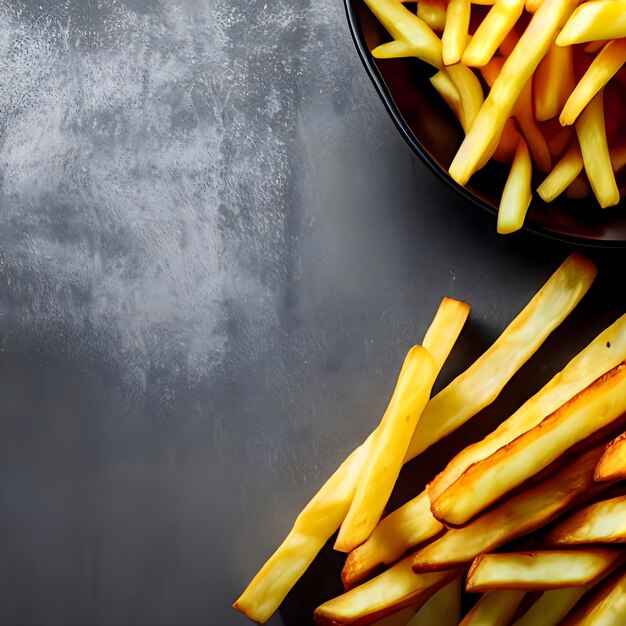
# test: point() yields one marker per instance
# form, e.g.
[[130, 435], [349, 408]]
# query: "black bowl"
[[433, 133]]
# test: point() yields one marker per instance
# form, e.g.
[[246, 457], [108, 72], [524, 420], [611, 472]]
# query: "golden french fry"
[[395, 49], [444, 86], [553, 82], [517, 192], [602, 69], [389, 592], [388, 449], [505, 152], [443, 609], [562, 175], [552, 606], [516, 72], [495, 608], [525, 512], [455, 31], [533, 5], [433, 12], [470, 92], [492, 31], [612, 465], [591, 132], [593, 21], [540, 570], [605, 607], [600, 405], [602, 522]]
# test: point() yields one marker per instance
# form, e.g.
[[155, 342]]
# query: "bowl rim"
[[363, 51]]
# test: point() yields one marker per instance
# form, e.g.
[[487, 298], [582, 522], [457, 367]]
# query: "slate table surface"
[[215, 250]]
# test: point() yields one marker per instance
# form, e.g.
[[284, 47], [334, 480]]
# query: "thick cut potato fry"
[[552, 606], [393, 590], [517, 192], [600, 405], [591, 132], [602, 522], [433, 12], [443, 609], [593, 21], [455, 31], [516, 72], [562, 175], [553, 82], [612, 465], [602, 69], [544, 569], [492, 31], [605, 607], [323, 515], [388, 449], [495, 608], [518, 516]]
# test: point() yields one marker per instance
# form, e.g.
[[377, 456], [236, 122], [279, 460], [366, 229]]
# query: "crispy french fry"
[[393, 590], [533, 5], [388, 448], [562, 175], [552, 606], [578, 189], [517, 192], [455, 31], [602, 69], [544, 569], [443, 609], [612, 465], [495, 608], [591, 132], [492, 31], [323, 515], [602, 522], [518, 516], [605, 607], [433, 12], [553, 82], [593, 21], [516, 72], [599, 405]]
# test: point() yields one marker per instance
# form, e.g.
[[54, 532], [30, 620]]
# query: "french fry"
[[433, 12], [455, 31], [591, 132], [470, 92], [602, 522], [602, 69], [495, 608], [401, 618], [525, 512], [612, 465], [601, 404], [492, 31], [533, 5], [388, 449], [443, 609], [516, 72], [444, 86], [552, 606], [593, 21], [553, 82], [562, 175], [388, 593], [540, 570], [517, 192], [605, 607]]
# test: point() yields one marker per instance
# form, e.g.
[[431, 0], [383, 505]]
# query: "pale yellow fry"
[[553, 82], [591, 133], [433, 12], [455, 31], [388, 449], [516, 72], [601, 522], [552, 606], [389, 592], [612, 465], [593, 21], [396, 49], [492, 31], [543, 569], [443, 609], [598, 406], [602, 69], [444, 86], [470, 91], [562, 175], [606, 607], [517, 192], [495, 608], [533, 5]]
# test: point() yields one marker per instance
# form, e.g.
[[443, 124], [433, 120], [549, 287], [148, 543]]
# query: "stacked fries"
[[528, 516], [545, 67]]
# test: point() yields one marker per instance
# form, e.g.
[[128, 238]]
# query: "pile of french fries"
[[534, 84], [527, 521]]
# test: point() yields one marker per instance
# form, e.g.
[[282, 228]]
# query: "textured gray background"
[[215, 250]]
